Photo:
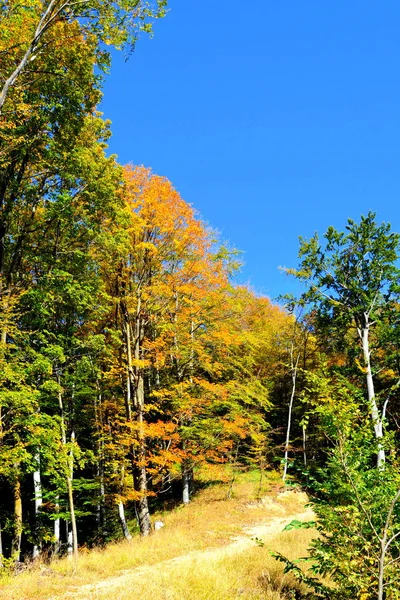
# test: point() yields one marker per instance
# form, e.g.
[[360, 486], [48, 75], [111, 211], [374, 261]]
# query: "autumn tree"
[[39, 27]]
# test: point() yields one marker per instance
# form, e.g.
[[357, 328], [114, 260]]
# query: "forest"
[[128, 355]]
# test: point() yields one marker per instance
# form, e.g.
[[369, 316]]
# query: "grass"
[[208, 523], [251, 575]]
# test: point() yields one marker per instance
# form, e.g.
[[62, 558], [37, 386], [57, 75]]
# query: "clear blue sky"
[[274, 119]]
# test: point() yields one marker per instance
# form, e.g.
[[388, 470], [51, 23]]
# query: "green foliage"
[[353, 295], [319, 590]]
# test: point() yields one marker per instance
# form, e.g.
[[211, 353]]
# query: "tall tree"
[[353, 285]]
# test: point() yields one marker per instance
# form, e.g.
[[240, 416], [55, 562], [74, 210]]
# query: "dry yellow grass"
[[250, 575], [194, 537]]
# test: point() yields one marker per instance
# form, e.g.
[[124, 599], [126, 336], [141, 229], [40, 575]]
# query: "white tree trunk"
[[185, 486], [74, 529], [37, 486], [57, 543], [70, 540], [293, 369], [376, 417], [48, 16], [124, 524], [304, 446]]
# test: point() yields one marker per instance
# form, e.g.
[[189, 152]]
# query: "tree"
[[353, 285], [357, 505], [353, 293], [157, 265], [110, 23]]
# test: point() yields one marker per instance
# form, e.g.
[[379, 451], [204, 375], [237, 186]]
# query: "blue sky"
[[274, 119]]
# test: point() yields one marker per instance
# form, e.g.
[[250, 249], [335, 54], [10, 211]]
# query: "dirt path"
[[262, 531]]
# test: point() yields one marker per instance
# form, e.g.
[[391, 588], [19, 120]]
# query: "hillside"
[[214, 549]]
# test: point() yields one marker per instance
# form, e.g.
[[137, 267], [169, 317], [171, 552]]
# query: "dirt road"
[[108, 588]]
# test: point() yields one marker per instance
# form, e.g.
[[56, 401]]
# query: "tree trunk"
[[69, 476], [70, 539], [185, 483], [141, 472], [100, 513], [71, 501], [57, 541], [293, 369], [304, 445], [37, 486], [124, 524], [385, 545], [16, 542], [141, 480], [43, 24], [376, 418]]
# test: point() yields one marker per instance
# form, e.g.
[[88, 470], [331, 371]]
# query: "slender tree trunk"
[[70, 539], [16, 542], [304, 445], [293, 370], [121, 510], [69, 476], [186, 472], [46, 18], [141, 469], [37, 486], [71, 501], [381, 572], [122, 519], [57, 542], [385, 545], [376, 417], [141, 479], [135, 388], [98, 412]]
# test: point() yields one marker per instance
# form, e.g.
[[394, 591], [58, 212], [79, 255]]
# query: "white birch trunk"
[[304, 446], [48, 16], [376, 417], [74, 529], [185, 486], [57, 543], [37, 486], [124, 524], [293, 368], [70, 540]]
